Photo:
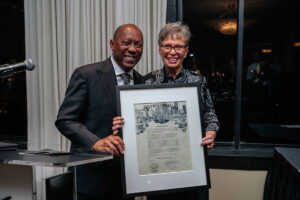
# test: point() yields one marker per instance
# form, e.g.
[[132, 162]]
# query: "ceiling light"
[[296, 44], [227, 22], [227, 26], [266, 50]]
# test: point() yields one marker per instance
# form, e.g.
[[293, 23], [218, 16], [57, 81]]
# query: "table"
[[283, 179], [22, 165]]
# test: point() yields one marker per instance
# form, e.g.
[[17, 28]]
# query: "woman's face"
[[173, 51]]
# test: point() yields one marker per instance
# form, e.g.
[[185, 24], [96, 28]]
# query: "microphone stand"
[[5, 86], [7, 73], [3, 75], [5, 92]]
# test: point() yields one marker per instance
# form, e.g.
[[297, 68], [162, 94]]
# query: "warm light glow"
[[297, 44], [266, 50], [227, 26]]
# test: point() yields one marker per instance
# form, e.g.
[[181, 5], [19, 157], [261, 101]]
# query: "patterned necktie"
[[126, 78]]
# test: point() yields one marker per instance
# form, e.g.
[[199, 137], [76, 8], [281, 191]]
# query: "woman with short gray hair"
[[172, 29], [173, 44]]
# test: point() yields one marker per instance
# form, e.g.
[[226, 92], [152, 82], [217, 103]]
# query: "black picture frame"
[[131, 101]]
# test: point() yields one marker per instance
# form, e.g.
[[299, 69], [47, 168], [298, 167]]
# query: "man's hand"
[[209, 139], [110, 143], [117, 123]]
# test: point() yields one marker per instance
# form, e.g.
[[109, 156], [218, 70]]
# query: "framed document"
[[162, 133]]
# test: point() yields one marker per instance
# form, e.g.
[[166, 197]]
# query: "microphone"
[[21, 66], [6, 69]]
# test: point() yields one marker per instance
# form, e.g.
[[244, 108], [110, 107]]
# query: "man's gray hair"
[[174, 29]]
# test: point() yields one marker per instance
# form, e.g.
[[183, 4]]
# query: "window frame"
[[242, 155]]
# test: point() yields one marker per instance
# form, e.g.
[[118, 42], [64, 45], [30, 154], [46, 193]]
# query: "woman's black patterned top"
[[210, 120]]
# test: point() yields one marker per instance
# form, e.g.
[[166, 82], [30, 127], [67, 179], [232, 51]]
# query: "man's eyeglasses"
[[168, 48]]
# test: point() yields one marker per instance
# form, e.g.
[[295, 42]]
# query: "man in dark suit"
[[85, 116]]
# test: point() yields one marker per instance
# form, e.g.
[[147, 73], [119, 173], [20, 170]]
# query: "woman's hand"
[[117, 123], [209, 139]]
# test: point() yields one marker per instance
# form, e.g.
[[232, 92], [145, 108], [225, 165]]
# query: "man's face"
[[127, 47]]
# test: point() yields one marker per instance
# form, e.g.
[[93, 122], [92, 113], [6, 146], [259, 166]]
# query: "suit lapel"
[[107, 76], [137, 78]]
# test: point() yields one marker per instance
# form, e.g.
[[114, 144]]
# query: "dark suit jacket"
[[85, 116]]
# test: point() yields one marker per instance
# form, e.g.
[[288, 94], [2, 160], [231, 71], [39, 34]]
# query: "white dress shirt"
[[119, 71]]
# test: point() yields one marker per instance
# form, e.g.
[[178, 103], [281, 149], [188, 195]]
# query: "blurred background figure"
[[264, 86]]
